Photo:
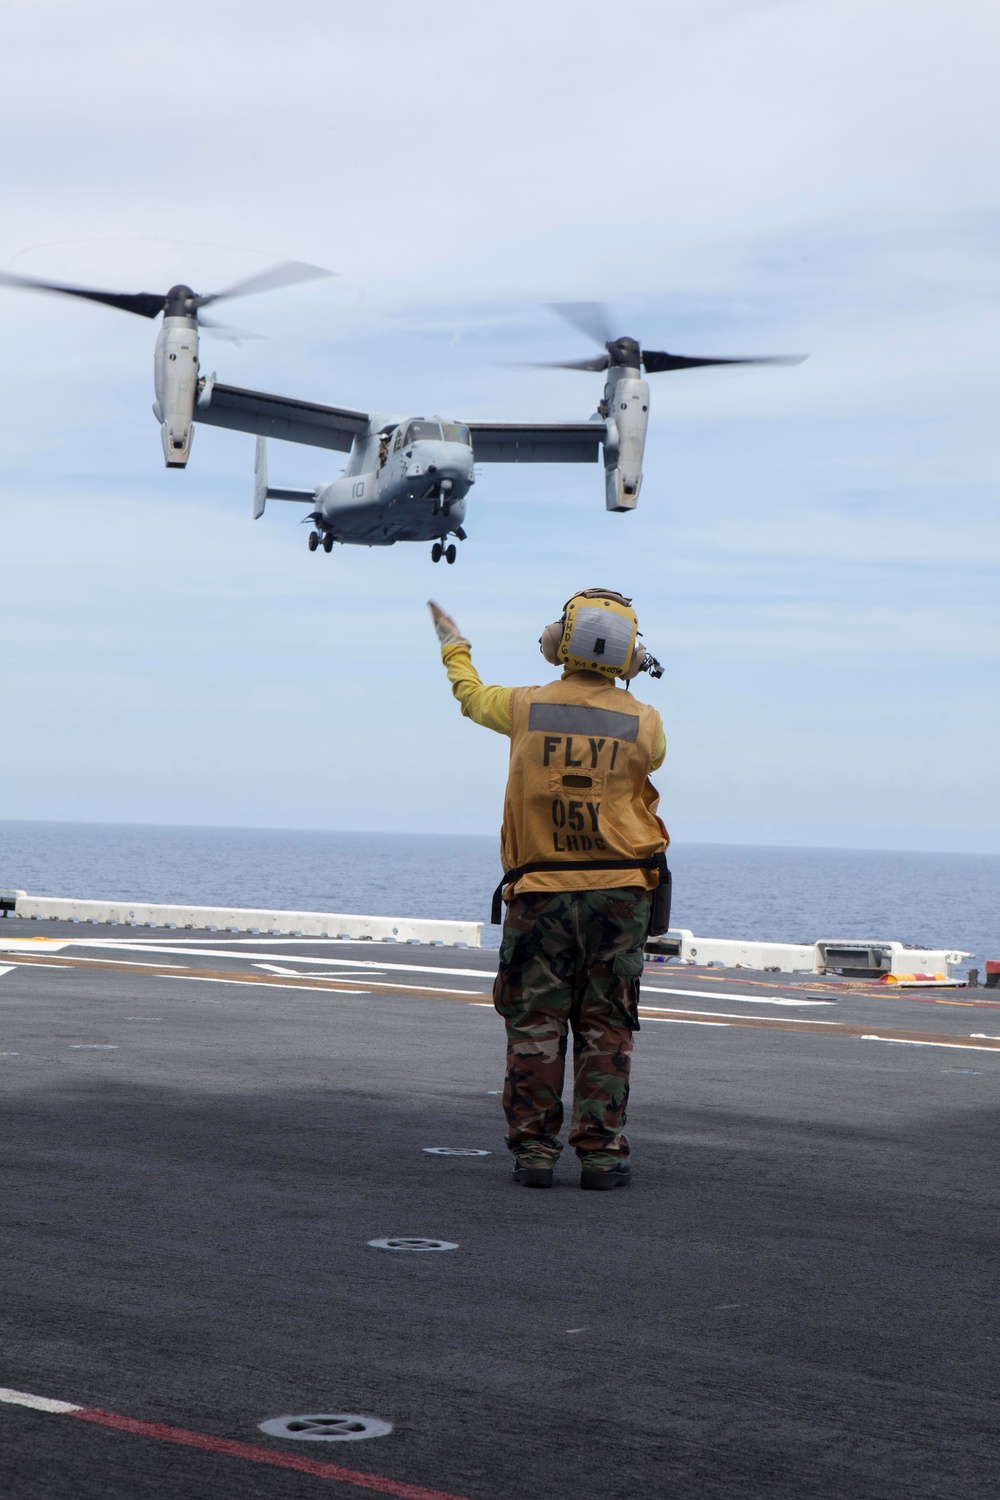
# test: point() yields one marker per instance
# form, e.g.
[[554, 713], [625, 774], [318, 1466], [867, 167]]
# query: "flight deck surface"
[[203, 1134]]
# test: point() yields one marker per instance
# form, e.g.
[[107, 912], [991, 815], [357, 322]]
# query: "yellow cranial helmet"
[[597, 633]]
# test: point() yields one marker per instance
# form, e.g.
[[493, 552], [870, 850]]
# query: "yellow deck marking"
[[255, 977], [794, 1024]]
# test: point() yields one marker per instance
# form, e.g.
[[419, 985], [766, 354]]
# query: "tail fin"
[[262, 491], [260, 479]]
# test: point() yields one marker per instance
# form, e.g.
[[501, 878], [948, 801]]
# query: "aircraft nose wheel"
[[437, 552], [313, 540], [450, 553], [328, 542]]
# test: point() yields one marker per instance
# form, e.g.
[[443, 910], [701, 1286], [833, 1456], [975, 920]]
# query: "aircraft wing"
[[278, 416], [537, 442]]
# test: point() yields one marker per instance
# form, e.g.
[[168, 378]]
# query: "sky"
[[814, 554]]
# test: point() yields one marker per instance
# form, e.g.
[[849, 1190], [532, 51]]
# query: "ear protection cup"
[[548, 642], [635, 665]]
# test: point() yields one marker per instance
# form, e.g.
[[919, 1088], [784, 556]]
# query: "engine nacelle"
[[175, 375], [627, 401]]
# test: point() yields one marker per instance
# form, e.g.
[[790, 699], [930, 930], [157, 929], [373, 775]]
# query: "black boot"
[[606, 1177], [532, 1176]]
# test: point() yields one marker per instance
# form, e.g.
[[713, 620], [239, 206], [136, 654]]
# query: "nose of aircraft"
[[445, 460]]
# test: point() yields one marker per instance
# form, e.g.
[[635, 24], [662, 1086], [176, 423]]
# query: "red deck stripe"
[[165, 1434]]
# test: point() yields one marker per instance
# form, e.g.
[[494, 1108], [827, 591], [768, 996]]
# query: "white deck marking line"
[[37, 1403], [185, 973], [728, 1016], [333, 979], [297, 973], [321, 989], [425, 991], [32, 945], [650, 989], [71, 960], [679, 1021], [9, 968], [299, 958], [260, 984], [33, 965], [768, 1023], [911, 1042]]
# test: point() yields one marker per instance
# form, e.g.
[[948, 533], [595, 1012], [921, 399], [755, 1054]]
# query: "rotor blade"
[[288, 273], [591, 318], [226, 330], [596, 362], [145, 304], [654, 361]]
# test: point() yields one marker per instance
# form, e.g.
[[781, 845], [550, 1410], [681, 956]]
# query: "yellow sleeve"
[[489, 706], [661, 749]]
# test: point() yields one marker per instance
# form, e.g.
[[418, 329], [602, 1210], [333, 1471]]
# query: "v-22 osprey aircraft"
[[407, 478]]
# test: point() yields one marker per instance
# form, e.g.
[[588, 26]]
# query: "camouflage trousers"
[[570, 960]]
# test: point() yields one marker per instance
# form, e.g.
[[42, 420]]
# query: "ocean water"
[[720, 890]]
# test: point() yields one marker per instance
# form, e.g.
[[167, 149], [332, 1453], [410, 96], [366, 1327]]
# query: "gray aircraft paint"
[[401, 484]]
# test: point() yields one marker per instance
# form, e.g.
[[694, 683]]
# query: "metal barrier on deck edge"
[[261, 920]]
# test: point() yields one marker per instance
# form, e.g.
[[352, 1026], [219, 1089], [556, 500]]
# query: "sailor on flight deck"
[[585, 880]]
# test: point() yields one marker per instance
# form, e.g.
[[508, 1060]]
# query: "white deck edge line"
[[37, 1403]]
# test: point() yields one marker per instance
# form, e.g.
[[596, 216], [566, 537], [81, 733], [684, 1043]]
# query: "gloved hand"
[[448, 632]]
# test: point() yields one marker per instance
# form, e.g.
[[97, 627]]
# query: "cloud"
[[813, 546]]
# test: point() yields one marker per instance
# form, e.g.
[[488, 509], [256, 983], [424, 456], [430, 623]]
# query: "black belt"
[[654, 862]]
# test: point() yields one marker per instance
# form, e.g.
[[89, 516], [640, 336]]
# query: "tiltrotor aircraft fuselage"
[[407, 478], [406, 481]]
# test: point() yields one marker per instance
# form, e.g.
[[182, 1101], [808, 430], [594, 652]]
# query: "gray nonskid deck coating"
[[796, 1297]]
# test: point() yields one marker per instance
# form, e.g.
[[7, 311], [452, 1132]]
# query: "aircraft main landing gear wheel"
[[437, 552], [313, 540], [450, 553], [328, 542]]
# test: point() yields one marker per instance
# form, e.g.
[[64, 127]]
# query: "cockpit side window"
[[422, 430], [454, 432]]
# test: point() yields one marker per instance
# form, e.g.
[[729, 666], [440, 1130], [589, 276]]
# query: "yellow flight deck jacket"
[[578, 784]]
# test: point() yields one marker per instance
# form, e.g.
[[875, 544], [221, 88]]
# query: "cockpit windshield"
[[452, 432], [422, 430]]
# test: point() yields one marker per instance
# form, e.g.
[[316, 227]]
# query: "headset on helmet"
[[598, 633]]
